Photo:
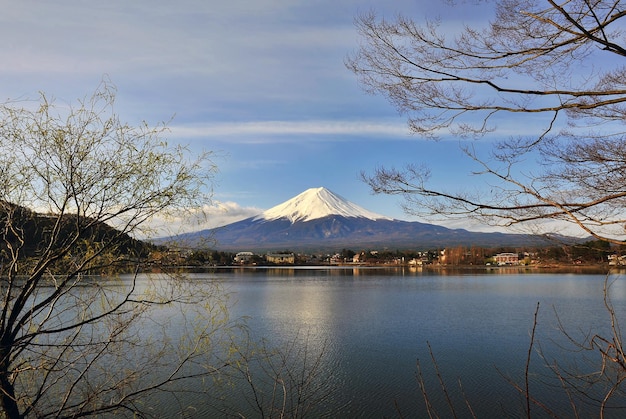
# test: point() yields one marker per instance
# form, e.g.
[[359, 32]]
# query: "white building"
[[615, 260], [243, 257], [507, 259]]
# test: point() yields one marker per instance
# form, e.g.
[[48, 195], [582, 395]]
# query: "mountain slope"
[[319, 220], [337, 232]]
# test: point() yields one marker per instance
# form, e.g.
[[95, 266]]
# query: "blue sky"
[[262, 83]]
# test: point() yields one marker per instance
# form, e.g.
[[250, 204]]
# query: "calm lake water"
[[371, 326]]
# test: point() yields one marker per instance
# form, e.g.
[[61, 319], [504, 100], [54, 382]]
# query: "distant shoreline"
[[545, 268]]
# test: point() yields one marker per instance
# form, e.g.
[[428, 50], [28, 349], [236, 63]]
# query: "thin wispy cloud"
[[259, 132], [244, 130]]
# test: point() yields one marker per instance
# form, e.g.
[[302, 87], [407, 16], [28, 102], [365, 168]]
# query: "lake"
[[362, 339], [368, 327]]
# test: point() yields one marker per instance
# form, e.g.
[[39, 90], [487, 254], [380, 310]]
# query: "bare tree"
[[556, 68], [588, 370], [73, 344], [598, 379], [287, 381]]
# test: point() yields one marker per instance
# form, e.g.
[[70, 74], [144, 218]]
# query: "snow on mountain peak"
[[317, 203]]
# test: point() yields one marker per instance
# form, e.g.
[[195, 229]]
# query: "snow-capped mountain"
[[317, 203], [319, 220]]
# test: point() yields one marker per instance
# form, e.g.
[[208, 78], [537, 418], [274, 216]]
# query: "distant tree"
[[554, 254], [595, 251], [477, 255], [557, 67], [199, 257], [256, 260], [73, 345], [222, 258], [455, 255], [347, 254]]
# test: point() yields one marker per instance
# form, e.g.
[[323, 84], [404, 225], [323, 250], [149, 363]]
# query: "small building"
[[243, 257], [336, 259], [617, 260], [506, 259], [281, 258], [416, 262]]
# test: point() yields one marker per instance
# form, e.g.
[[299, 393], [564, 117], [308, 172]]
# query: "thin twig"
[[526, 371]]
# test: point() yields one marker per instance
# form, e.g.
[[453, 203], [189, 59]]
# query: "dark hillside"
[[31, 232]]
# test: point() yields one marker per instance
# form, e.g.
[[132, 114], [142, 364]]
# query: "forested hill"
[[32, 234]]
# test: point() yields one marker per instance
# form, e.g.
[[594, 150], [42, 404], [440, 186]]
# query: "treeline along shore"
[[592, 254]]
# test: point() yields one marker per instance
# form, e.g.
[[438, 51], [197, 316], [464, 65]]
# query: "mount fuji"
[[317, 203], [320, 220]]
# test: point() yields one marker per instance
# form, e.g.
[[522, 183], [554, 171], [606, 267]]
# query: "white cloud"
[[207, 217], [285, 128], [276, 131]]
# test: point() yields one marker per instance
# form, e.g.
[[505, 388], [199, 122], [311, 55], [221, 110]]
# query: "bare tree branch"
[[533, 59]]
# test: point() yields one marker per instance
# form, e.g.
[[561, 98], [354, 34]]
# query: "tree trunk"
[[8, 402]]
